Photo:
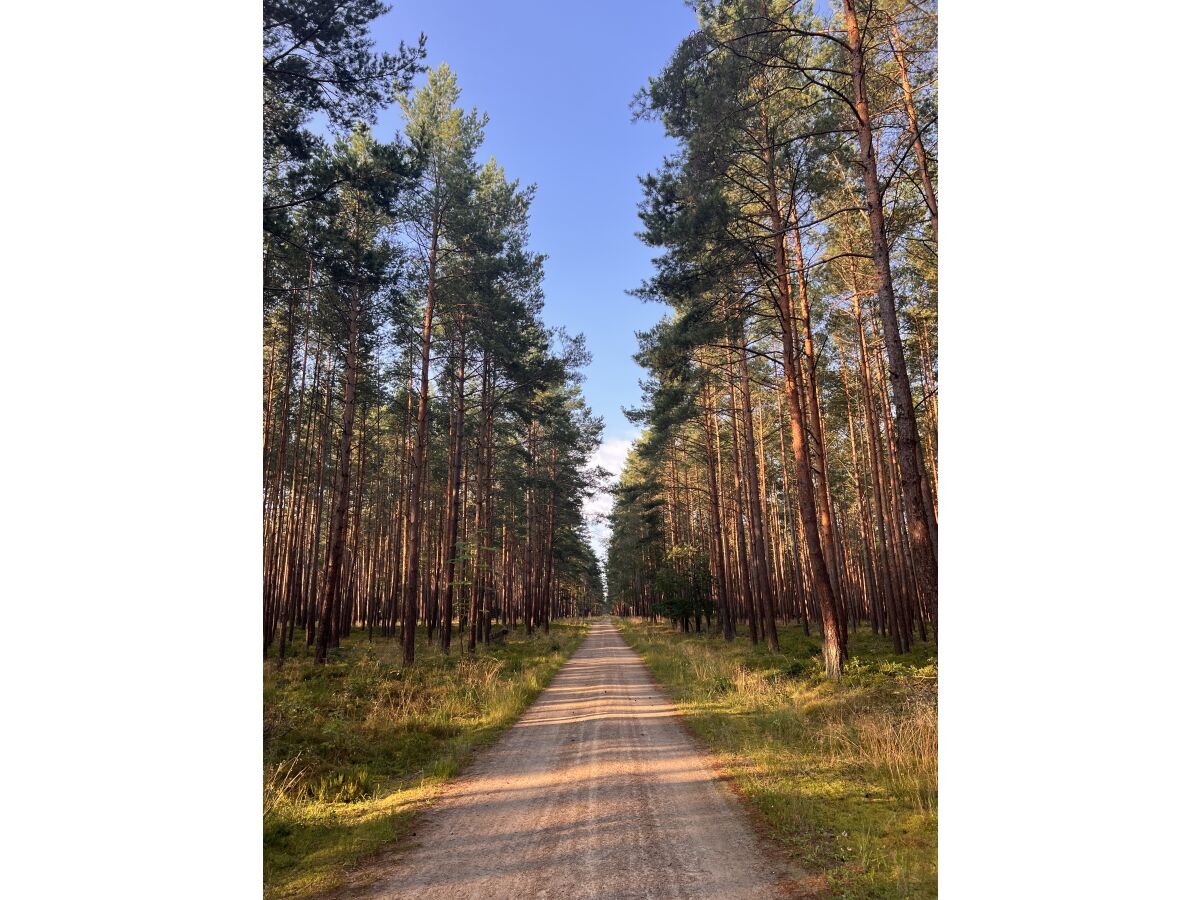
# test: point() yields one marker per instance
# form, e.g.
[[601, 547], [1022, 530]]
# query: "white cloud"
[[611, 455]]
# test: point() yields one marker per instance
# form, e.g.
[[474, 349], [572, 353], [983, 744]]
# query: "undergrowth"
[[352, 749], [845, 774]]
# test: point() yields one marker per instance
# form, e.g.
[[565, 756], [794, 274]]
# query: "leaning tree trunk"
[[914, 129], [832, 647], [907, 447]]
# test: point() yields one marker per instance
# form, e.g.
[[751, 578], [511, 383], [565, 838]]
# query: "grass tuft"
[[353, 749], [845, 774]]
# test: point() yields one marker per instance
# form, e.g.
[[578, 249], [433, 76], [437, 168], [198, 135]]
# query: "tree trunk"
[[907, 448], [341, 505], [416, 488]]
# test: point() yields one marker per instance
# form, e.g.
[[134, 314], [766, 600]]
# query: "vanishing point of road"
[[596, 792]]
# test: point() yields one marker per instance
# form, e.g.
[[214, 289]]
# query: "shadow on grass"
[[844, 775], [353, 750]]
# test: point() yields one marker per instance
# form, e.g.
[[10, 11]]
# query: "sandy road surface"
[[596, 792]]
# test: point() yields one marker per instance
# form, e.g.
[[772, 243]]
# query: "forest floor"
[[843, 775], [354, 749], [598, 791]]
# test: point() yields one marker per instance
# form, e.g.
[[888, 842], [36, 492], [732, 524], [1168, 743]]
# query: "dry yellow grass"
[[353, 749], [845, 774]]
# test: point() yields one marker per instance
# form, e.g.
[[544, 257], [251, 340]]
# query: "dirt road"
[[596, 792]]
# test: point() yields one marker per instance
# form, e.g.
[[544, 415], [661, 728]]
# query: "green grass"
[[353, 749], [844, 775]]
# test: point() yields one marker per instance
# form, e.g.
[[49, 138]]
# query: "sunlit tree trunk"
[[924, 550], [914, 129]]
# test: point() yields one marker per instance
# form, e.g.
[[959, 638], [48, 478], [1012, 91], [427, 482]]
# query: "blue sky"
[[556, 80]]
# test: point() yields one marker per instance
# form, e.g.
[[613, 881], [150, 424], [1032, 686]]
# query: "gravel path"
[[597, 792]]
